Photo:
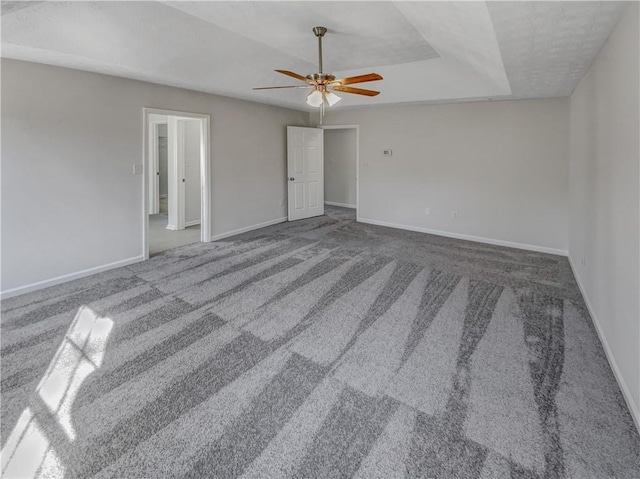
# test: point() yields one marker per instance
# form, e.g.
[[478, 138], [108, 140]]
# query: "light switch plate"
[[137, 169]]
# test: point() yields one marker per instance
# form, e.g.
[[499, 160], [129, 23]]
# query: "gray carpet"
[[316, 349]]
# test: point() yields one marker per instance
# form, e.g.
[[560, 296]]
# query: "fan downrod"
[[319, 32]]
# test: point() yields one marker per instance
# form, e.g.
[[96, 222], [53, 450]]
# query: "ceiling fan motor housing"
[[319, 31], [321, 78]]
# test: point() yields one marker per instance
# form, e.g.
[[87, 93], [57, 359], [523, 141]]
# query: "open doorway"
[[177, 182], [341, 163]]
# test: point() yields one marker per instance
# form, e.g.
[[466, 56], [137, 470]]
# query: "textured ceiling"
[[426, 51], [547, 47]]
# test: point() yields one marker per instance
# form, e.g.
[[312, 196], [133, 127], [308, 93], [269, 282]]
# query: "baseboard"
[[67, 277], [186, 225], [248, 228], [343, 205], [478, 239], [635, 413]]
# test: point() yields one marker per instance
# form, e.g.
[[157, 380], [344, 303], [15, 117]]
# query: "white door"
[[154, 167], [185, 145], [305, 172], [175, 163], [191, 160]]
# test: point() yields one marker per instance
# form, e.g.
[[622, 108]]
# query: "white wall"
[[69, 140], [340, 166], [503, 166], [192, 193], [604, 198]]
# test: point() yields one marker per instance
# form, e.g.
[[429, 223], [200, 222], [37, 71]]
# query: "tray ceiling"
[[427, 52]]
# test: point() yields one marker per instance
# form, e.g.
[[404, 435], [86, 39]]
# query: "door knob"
[[291, 179]]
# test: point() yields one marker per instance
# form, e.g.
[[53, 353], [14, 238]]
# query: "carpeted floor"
[[315, 349]]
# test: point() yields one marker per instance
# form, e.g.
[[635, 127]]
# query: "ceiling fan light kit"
[[315, 98], [323, 85], [331, 98]]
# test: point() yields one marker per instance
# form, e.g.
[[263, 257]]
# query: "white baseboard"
[[67, 277], [478, 239], [248, 228], [635, 413], [186, 225], [344, 205]]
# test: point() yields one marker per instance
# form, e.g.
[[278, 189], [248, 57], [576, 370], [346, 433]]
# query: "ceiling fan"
[[323, 85]]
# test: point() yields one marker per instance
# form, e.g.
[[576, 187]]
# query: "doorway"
[[341, 166], [177, 186]]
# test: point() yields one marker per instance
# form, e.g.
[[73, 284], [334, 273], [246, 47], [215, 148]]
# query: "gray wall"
[[604, 234], [503, 166], [340, 166], [69, 140]]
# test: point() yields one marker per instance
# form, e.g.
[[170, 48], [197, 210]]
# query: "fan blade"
[[357, 91], [358, 79], [294, 75], [274, 87]]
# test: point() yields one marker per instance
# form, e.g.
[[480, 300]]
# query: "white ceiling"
[[427, 52]]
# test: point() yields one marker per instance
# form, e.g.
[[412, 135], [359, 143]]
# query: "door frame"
[[357, 128], [205, 171]]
